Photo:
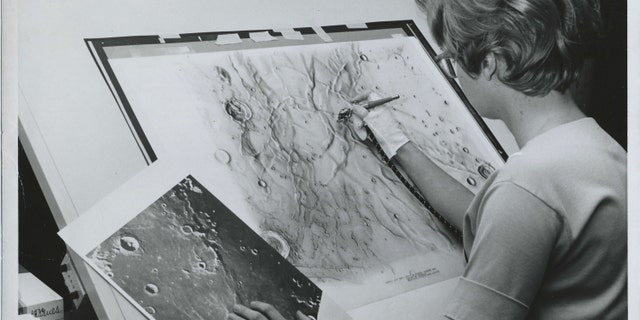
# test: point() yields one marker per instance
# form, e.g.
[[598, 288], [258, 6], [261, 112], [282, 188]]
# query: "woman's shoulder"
[[570, 170], [578, 148]]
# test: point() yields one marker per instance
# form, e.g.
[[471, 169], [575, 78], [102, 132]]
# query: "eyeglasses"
[[447, 64]]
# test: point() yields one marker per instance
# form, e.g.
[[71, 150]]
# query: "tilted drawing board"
[[260, 108]]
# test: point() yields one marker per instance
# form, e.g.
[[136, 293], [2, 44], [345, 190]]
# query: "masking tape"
[[291, 34], [322, 34], [228, 38], [357, 26], [261, 36]]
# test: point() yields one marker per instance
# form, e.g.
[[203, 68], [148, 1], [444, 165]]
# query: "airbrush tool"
[[346, 113]]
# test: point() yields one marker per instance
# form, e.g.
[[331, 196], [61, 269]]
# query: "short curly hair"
[[542, 43]]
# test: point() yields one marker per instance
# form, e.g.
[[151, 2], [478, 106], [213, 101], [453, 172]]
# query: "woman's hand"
[[445, 194], [260, 311], [382, 124]]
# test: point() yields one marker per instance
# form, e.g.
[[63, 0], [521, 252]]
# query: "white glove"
[[386, 129]]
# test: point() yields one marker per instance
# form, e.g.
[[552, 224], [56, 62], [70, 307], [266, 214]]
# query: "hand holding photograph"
[[186, 255]]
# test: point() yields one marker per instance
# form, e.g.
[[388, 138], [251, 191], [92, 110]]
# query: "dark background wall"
[[606, 101]]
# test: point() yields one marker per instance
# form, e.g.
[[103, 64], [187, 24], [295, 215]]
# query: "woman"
[[545, 238]]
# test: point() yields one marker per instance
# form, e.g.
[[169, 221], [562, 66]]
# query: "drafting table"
[[73, 132]]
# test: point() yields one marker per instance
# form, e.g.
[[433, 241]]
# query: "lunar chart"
[[268, 117], [188, 257]]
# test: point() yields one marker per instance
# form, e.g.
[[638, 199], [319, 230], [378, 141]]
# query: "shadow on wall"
[[40, 250]]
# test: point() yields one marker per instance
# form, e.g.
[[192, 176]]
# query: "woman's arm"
[[445, 194]]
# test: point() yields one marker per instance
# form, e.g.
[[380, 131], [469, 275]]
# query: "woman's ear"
[[489, 66]]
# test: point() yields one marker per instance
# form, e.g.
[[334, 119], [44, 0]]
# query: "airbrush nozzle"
[[375, 103], [346, 113]]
